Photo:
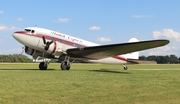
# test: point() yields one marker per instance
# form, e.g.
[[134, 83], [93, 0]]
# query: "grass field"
[[90, 84]]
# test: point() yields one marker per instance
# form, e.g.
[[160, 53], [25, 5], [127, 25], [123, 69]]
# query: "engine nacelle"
[[56, 49], [52, 48], [32, 52]]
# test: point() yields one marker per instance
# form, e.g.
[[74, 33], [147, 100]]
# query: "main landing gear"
[[43, 65], [65, 65]]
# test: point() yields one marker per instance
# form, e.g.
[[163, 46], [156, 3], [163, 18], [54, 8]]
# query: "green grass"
[[90, 83]]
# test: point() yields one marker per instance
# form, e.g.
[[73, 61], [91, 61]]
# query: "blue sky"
[[99, 21]]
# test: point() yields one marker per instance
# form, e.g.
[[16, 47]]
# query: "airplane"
[[41, 42]]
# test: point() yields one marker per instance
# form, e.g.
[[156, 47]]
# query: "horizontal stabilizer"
[[134, 61]]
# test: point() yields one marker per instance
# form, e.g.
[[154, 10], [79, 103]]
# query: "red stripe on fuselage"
[[123, 59], [20, 32], [120, 58], [50, 38]]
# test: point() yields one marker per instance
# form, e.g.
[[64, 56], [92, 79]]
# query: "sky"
[[98, 21]]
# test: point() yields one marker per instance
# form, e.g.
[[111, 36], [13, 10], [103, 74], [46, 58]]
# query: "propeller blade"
[[44, 40], [50, 42], [47, 45]]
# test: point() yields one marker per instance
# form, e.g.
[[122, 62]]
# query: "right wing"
[[103, 51]]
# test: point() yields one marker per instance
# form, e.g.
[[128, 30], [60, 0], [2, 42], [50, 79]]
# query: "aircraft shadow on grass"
[[100, 70], [26, 69], [110, 71]]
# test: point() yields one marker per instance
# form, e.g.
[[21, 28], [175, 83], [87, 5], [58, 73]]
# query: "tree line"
[[17, 58], [168, 59]]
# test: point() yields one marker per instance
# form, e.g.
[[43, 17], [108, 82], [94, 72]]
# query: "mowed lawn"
[[90, 84]]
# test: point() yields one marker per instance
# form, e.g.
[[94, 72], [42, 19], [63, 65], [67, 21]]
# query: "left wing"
[[103, 51]]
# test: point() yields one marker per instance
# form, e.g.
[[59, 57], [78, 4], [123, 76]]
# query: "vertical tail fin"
[[133, 55]]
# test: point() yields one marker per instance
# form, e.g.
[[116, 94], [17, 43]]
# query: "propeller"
[[47, 44]]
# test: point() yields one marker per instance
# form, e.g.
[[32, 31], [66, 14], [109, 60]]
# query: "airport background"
[[18, 58]]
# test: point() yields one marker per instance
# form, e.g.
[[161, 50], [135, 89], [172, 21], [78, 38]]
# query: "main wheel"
[[65, 65], [42, 66]]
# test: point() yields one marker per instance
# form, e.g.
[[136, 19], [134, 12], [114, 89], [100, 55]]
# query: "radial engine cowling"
[[32, 52], [49, 46], [54, 48]]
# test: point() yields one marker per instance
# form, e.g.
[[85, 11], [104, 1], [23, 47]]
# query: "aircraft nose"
[[14, 35], [18, 36]]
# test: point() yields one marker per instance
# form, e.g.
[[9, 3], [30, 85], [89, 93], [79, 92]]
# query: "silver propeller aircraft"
[[40, 42]]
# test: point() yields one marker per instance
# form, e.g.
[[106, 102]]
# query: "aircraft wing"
[[103, 51]]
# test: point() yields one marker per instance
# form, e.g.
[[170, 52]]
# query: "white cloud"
[[94, 28], [165, 50], [103, 39], [20, 19], [143, 16], [15, 28], [1, 12], [167, 33], [62, 20], [171, 48], [3, 28], [160, 51], [6, 28]]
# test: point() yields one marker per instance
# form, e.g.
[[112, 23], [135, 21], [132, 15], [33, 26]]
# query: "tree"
[[15, 58], [172, 59]]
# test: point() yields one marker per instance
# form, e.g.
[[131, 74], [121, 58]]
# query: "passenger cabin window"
[[67, 42], [32, 31], [75, 45]]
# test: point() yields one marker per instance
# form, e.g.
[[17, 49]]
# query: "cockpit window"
[[29, 31]]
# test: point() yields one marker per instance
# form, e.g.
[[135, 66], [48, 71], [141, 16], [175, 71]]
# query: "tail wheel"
[[125, 67], [42, 66], [65, 65]]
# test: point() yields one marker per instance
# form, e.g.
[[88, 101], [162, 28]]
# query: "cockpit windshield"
[[29, 30]]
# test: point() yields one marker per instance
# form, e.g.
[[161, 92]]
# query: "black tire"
[[42, 66], [65, 66]]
